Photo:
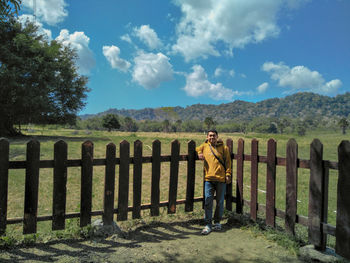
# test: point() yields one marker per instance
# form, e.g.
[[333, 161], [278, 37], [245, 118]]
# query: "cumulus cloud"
[[263, 87], [126, 38], [235, 23], [197, 84], [219, 71], [148, 36], [300, 78], [80, 42], [48, 11], [112, 55], [150, 70], [41, 30]]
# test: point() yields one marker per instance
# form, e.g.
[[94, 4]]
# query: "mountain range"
[[298, 105]]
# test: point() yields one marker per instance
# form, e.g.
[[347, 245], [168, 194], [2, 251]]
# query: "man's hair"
[[212, 130]]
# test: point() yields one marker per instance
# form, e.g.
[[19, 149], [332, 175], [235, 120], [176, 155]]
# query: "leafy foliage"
[[9, 8], [111, 122], [38, 79]]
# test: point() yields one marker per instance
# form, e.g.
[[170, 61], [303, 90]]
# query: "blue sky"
[[158, 53]]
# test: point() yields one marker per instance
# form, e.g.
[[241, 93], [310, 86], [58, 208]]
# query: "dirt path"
[[159, 242]]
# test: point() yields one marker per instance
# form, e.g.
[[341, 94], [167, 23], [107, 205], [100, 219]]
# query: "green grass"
[[74, 138]]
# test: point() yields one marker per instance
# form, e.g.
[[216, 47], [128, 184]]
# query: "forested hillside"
[[299, 105]]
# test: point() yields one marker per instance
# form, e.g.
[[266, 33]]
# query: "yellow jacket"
[[214, 170]]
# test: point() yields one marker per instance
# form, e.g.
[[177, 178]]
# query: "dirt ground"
[[159, 242]]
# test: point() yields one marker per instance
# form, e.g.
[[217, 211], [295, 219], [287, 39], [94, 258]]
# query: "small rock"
[[100, 230]]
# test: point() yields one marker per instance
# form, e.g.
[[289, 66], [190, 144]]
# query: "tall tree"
[[209, 122], [39, 82], [344, 124], [111, 122]]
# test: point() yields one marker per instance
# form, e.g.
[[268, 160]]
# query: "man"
[[217, 168]]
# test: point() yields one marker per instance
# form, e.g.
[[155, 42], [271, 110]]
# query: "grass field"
[[75, 138]]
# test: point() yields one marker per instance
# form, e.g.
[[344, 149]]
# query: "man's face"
[[212, 137]]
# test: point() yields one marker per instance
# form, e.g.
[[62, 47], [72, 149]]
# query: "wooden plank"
[[155, 192], [271, 183], [291, 185], [137, 179], [316, 191], [229, 144], [59, 185], [174, 175], [31, 187], [254, 179], [343, 201], [123, 193], [108, 197], [4, 166], [87, 156], [239, 182], [191, 175]]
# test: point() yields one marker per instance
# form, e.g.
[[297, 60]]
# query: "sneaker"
[[217, 227], [206, 230]]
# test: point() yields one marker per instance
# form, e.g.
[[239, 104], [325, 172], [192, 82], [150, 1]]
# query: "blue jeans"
[[209, 189]]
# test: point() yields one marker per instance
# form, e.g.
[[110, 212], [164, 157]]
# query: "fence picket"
[[316, 197], [31, 187], [254, 179], [291, 185], [191, 175], [87, 156], [271, 183], [108, 197], [174, 175], [123, 193], [155, 191], [59, 185], [239, 183], [229, 144], [137, 179], [4, 165], [343, 201]]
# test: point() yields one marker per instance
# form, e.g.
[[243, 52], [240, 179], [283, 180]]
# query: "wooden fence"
[[316, 221]]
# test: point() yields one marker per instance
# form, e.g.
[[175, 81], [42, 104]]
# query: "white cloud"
[[151, 70], [235, 23], [300, 78], [263, 87], [197, 84], [80, 42], [41, 30], [219, 71], [126, 38], [232, 73], [48, 11], [148, 36], [112, 55]]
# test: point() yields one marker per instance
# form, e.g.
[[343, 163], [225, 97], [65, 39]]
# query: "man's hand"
[[228, 179], [201, 156]]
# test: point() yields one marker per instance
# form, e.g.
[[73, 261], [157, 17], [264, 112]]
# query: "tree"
[[129, 124], [9, 8], [38, 79], [111, 122], [166, 125], [301, 130], [282, 124], [209, 122], [344, 124]]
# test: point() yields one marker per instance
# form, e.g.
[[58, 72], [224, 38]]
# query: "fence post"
[[174, 175], [155, 192], [31, 187], [191, 175], [271, 183], [87, 156], [137, 179], [59, 185], [108, 197], [291, 185], [343, 201], [229, 144], [254, 179], [4, 166], [239, 183], [316, 195], [123, 193]]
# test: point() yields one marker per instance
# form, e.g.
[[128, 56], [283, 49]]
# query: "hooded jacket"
[[213, 169]]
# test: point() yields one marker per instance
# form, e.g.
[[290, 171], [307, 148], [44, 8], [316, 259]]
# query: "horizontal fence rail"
[[316, 221]]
